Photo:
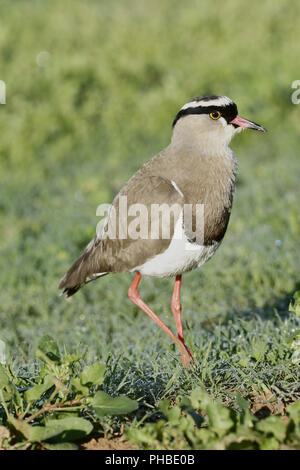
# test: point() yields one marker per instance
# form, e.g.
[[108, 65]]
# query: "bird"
[[196, 171]]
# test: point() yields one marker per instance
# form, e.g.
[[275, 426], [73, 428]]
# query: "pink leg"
[[135, 297], [176, 309]]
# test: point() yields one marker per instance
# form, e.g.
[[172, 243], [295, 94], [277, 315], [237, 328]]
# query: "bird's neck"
[[204, 162], [192, 137]]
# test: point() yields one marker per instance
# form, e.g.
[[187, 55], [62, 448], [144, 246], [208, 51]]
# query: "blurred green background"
[[92, 89]]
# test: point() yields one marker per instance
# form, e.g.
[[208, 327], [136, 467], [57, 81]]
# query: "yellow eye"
[[215, 115]]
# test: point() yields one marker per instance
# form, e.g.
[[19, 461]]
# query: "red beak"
[[239, 121]]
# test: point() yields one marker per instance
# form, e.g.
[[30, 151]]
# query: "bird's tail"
[[81, 272]]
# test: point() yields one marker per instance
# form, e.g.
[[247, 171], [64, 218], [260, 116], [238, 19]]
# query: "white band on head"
[[220, 101]]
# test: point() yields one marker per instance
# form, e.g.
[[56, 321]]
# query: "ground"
[[107, 444]]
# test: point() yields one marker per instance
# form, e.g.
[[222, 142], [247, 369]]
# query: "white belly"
[[180, 256]]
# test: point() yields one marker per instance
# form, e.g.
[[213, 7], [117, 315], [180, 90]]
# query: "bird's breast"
[[209, 192]]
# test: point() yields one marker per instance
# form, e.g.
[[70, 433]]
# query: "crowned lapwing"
[[196, 171]]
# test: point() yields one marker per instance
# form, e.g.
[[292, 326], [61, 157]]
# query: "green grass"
[[72, 133]]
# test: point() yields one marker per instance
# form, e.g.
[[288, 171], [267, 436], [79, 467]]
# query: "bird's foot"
[[186, 360], [186, 356]]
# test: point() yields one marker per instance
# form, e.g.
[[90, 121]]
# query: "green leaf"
[[20, 426], [59, 384], [241, 402], [269, 443], [60, 446], [244, 361], [219, 418], [70, 359], [4, 380], [41, 433], [62, 430], [48, 347], [104, 405], [78, 387], [293, 411], [206, 436], [59, 430], [242, 444], [187, 407], [8, 393], [172, 414], [200, 398], [37, 391], [246, 418], [273, 426], [93, 374], [73, 428]]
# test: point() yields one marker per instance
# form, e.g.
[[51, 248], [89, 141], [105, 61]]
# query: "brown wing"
[[129, 238]]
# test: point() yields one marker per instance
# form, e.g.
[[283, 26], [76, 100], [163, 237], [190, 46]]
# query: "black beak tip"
[[258, 127]]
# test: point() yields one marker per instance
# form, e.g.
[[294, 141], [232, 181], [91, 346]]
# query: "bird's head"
[[212, 118]]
